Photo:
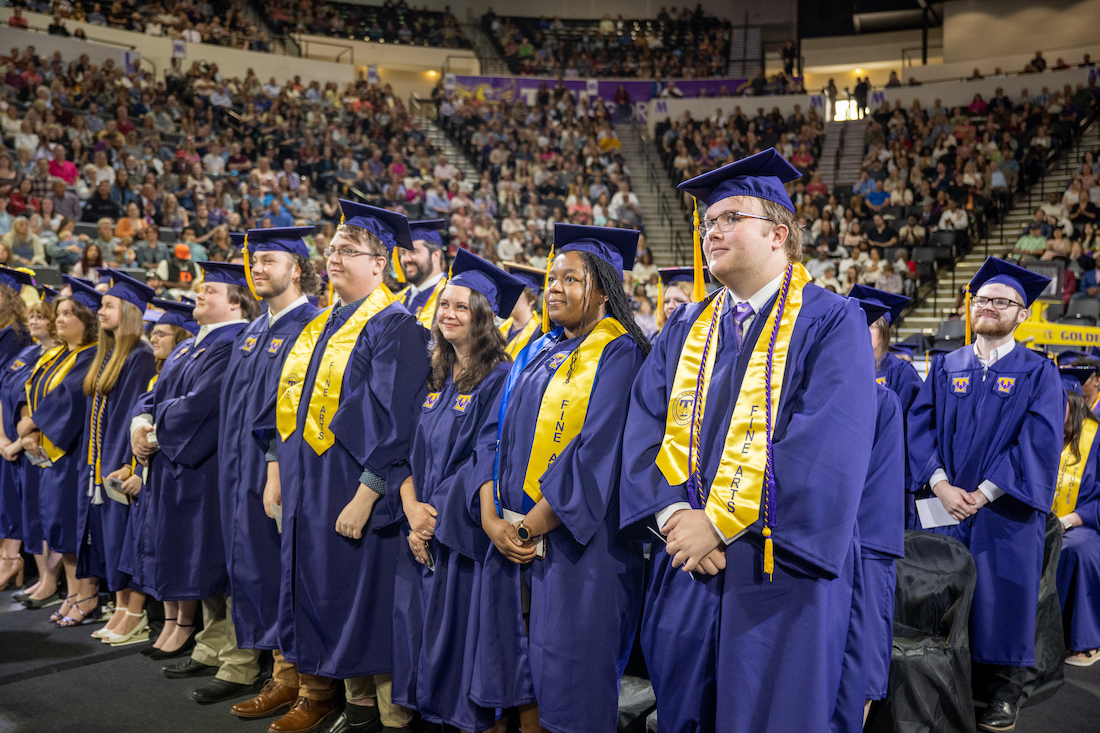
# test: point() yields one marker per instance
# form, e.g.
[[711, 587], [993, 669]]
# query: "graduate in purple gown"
[[424, 268], [1077, 504], [14, 336], [560, 591], [52, 429], [181, 553], [523, 323], [438, 585], [283, 277], [119, 374], [985, 434], [344, 418], [677, 289], [173, 332], [753, 500], [881, 524]]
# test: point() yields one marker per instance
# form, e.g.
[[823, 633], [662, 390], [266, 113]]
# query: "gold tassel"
[[248, 269], [967, 306], [699, 289], [545, 292], [769, 557], [661, 297], [398, 271]]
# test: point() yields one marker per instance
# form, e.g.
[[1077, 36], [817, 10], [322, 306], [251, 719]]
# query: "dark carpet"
[[63, 681]]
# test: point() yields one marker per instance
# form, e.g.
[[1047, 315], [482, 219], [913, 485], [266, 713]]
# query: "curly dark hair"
[[310, 282], [13, 311], [487, 349]]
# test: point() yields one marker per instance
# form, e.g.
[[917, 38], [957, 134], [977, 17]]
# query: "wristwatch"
[[524, 533]]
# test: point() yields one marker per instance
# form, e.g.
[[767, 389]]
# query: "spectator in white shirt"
[[510, 246], [444, 171], [953, 217], [625, 207]]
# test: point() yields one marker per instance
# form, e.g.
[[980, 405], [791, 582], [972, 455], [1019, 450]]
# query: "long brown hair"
[[114, 348], [13, 311], [487, 349], [86, 316], [1079, 412]]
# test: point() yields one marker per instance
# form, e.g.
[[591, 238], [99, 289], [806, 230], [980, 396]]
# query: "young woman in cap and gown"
[[14, 340], [20, 486], [521, 327], [439, 577], [279, 271], [1077, 504], [343, 421], [560, 592], [181, 552], [881, 525], [749, 438], [985, 433], [677, 289], [173, 332], [119, 374], [52, 430]]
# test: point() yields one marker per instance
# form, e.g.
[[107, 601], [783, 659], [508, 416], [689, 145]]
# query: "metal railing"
[[658, 181]]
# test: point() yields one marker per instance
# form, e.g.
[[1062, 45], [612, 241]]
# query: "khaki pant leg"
[[283, 672], [241, 666]]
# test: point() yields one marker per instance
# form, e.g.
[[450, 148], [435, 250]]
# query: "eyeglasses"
[[346, 252], [980, 301], [727, 221]]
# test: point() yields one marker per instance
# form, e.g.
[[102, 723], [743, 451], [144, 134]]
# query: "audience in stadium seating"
[[391, 22]]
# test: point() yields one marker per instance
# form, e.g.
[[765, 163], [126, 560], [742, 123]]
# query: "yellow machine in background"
[[1038, 331]]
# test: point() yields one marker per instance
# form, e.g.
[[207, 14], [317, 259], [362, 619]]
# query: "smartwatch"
[[524, 533]]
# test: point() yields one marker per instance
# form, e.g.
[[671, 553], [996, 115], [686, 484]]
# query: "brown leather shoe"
[[305, 715], [272, 698]]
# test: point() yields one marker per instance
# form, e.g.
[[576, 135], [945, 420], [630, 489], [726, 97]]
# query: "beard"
[[1000, 328], [275, 286], [414, 274]]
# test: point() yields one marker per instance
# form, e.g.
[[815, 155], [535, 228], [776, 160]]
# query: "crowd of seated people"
[[390, 22], [677, 44], [137, 175], [194, 21]]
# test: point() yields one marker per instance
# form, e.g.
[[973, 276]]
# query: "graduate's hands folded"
[[354, 516], [140, 445], [505, 538], [419, 548], [691, 540], [25, 427], [121, 474], [421, 518], [31, 445], [959, 503], [132, 485], [979, 499], [12, 450]]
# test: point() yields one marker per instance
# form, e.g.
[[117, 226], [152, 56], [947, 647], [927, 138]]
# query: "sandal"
[[63, 612], [139, 633], [85, 618], [1083, 659]]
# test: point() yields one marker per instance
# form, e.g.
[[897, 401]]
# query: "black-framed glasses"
[[980, 301], [727, 222]]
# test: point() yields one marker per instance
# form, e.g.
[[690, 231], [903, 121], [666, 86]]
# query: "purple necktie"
[[741, 313]]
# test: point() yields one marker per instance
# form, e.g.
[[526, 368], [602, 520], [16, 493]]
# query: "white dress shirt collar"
[[272, 316], [204, 330]]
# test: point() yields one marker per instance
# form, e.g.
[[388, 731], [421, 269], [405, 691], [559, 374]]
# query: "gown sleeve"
[[582, 482], [1028, 470], [483, 462], [61, 413], [1088, 498], [882, 507], [187, 426], [921, 430]]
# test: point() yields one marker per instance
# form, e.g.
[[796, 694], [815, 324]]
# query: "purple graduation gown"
[[586, 593], [336, 604], [881, 524], [181, 553], [18, 518], [251, 537], [435, 616], [1006, 429], [1079, 563], [102, 527], [901, 378], [776, 645], [61, 418]]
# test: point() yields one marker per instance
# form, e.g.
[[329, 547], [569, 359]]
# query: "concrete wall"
[[981, 29], [71, 49], [386, 56]]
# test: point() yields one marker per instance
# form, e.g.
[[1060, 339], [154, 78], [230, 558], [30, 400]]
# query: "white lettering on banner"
[[449, 82], [529, 96]]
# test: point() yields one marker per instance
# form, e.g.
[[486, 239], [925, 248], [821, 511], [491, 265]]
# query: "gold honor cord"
[[515, 345], [327, 385], [1069, 475], [565, 403], [36, 390]]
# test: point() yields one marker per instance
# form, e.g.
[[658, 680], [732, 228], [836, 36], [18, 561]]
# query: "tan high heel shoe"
[[15, 575]]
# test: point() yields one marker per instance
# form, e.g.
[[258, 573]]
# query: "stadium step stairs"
[[942, 302], [277, 45], [850, 156], [659, 230], [443, 143], [491, 61]]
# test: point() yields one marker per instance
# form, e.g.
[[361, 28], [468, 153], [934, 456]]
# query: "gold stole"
[[735, 496], [426, 313], [565, 403], [46, 362], [325, 397], [516, 345], [1069, 476]]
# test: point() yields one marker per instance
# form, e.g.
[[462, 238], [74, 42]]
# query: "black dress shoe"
[[183, 651], [999, 716], [221, 690], [190, 668]]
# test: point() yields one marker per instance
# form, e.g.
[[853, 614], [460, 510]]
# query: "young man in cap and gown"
[[749, 437], [424, 267], [522, 324], [985, 434], [341, 424]]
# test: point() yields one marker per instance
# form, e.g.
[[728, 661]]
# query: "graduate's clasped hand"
[[421, 518], [693, 542], [353, 517], [506, 539], [959, 503]]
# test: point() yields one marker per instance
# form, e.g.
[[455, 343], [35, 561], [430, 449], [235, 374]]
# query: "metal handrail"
[[657, 183], [302, 44]]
